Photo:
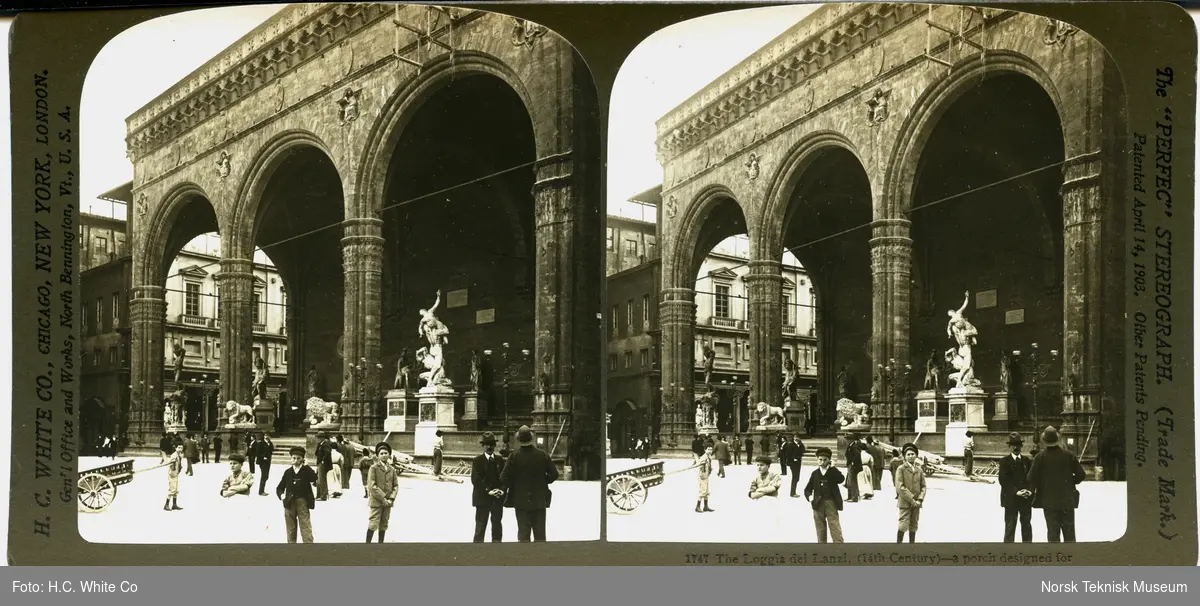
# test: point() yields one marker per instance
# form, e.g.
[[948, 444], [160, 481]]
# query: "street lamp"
[[366, 382], [508, 370], [895, 382], [1038, 371]]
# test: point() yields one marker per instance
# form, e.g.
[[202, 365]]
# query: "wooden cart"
[[628, 489], [98, 487]]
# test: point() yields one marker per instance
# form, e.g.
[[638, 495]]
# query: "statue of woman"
[[1004, 373], [430, 327], [933, 371], [403, 371], [964, 334], [260, 376], [475, 370]]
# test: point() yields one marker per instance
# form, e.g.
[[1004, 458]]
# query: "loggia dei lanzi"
[[1113, 587]]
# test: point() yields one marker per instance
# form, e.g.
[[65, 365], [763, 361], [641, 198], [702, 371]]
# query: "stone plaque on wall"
[[1014, 316], [985, 299], [456, 298], [485, 316]]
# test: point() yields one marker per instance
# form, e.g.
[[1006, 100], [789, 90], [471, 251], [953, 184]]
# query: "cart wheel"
[[627, 493], [96, 493]]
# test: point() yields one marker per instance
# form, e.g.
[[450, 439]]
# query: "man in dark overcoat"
[[1053, 478], [1015, 495], [487, 491], [527, 476]]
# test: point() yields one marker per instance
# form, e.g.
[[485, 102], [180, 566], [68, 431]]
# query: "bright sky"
[[666, 69], [134, 68]]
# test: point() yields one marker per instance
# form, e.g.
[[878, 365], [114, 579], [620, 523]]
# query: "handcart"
[[98, 487], [627, 490]]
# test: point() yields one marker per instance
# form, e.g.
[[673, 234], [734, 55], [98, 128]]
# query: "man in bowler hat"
[[1015, 495], [1053, 478], [526, 478], [487, 492]]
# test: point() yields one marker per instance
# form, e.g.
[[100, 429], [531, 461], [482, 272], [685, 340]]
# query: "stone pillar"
[[236, 284], [147, 315], [764, 284], [362, 263], [891, 275], [677, 319], [1083, 274]]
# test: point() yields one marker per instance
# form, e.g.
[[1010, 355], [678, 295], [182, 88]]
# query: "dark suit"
[[853, 467], [825, 492], [1014, 476], [878, 457], [295, 490], [485, 476], [217, 449], [347, 452], [1052, 478], [792, 455], [261, 453], [324, 464], [527, 476]]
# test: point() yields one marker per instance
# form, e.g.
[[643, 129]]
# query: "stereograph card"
[[640, 284]]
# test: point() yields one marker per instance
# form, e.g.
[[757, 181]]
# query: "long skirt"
[[335, 479], [865, 482]]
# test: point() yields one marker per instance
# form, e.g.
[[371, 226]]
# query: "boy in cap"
[[239, 480], [438, 445], [825, 493], [705, 466], [381, 490], [910, 494], [174, 466], [295, 489], [487, 491]]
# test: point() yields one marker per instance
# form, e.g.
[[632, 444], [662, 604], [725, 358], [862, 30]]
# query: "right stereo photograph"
[[865, 280]]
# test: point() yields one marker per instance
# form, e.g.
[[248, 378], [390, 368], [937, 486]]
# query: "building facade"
[[909, 171]]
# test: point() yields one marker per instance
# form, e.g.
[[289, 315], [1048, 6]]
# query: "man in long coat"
[[1053, 478], [487, 491], [527, 476], [1015, 495]]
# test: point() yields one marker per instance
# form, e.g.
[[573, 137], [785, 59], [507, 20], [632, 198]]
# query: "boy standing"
[[825, 493], [910, 494], [705, 465], [438, 445], [295, 489], [174, 466], [239, 480], [381, 488]]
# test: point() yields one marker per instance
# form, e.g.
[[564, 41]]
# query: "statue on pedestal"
[[852, 415], [770, 415], [261, 374], [180, 353], [476, 372], [843, 380], [933, 371], [322, 413], [238, 413], [313, 379], [403, 371], [963, 333], [790, 377], [1005, 378], [709, 357], [436, 334]]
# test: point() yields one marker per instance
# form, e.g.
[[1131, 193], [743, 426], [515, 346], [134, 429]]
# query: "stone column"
[[148, 316], [362, 261], [891, 276], [236, 281], [764, 284], [297, 365], [677, 319], [1082, 294]]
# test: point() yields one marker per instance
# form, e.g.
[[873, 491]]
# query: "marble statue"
[[168, 414], [431, 328], [1005, 376], [180, 353], [403, 371], [313, 379], [709, 357], [239, 413], [476, 371], [261, 374], [321, 413], [963, 333], [770, 415], [790, 377], [843, 379], [876, 381], [706, 410], [852, 415], [700, 417], [435, 372], [435, 333], [933, 371]]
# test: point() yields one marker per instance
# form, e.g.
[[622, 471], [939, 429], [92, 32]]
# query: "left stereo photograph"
[[339, 280]]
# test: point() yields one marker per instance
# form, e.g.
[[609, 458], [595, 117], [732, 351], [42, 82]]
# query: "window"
[[787, 310], [116, 308], [83, 326], [95, 357], [192, 348], [616, 315], [645, 358], [112, 355], [651, 248], [612, 361], [721, 301], [746, 351], [256, 315], [631, 248], [629, 316], [628, 359], [99, 314], [724, 350], [101, 246], [191, 299], [609, 244], [645, 313]]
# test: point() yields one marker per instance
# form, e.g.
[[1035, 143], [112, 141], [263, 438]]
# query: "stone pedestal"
[[471, 409], [1000, 420], [397, 409], [264, 414], [966, 414], [706, 429], [181, 429], [928, 402], [436, 413]]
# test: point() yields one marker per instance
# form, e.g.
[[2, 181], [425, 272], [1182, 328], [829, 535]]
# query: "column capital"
[[891, 228], [366, 226], [678, 295], [148, 292], [235, 269], [552, 171], [1081, 170]]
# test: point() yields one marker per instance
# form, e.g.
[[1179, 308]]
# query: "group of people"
[[519, 481], [1046, 481]]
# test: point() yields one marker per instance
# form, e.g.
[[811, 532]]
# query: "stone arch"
[[772, 219], [150, 260], [920, 122], [680, 269], [404, 103], [250, 193]]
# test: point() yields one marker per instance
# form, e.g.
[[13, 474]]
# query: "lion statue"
[[239, 413], [321, 412], [852, 414], [770, 415]]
